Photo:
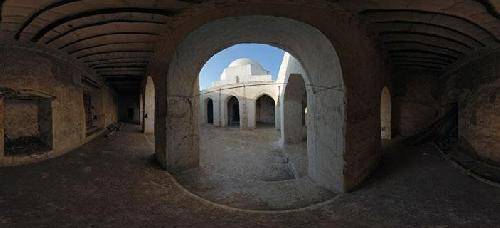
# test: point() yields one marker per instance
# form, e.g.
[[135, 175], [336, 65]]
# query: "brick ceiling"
[[115, 38]]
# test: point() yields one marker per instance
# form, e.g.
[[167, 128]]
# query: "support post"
[[2, 127]]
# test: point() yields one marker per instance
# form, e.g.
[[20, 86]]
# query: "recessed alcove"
[[27, 122]]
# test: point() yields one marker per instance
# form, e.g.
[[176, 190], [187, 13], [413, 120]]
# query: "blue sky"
[[268, 56]]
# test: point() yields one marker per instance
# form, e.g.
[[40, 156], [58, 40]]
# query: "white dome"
[[242, 62]]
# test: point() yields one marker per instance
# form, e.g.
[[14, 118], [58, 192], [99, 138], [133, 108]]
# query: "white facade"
[[247, 81]]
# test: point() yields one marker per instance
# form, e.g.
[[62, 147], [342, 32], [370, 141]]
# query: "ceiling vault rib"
[[42, 32], [117, 67], [372, 11], [117, 64], [419, 61], [106, 60], [433, 25], [424, 44], [40, 12], [423, 52], [428, 35], [107, 34], [99, 24], [434, 59], [122, 75], [104, 45], [112, 52], [419, 65]]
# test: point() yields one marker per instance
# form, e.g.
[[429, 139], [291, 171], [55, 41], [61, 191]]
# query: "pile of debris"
[[112, 129]]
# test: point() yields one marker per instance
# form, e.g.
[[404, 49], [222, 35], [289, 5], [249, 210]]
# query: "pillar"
[[2, 126], [291, 116], [149, 106]]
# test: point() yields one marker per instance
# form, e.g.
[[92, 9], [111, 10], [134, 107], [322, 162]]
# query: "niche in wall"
[[27, 122], [93, 107]]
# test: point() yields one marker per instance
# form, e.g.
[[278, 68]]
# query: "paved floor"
[[113, 183], [249, 169]]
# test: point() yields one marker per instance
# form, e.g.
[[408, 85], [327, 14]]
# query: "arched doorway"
[[294, 105], [329, 132], [385, 114], [265, 111], [233, 111], [210, 111]]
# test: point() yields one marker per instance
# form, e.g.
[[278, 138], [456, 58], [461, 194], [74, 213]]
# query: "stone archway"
[[385, 114], [325, 85], [264, 111], [344, 97], [233, 111], [293, 115], [209, 110]]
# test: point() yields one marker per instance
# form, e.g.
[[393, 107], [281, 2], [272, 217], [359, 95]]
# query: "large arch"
[[293, 114], [265, 109], [342, 152]]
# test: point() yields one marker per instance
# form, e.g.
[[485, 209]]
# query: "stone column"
[[277, 111], [149, 107], [217, 112], [251, 110], [243, 109], [2, 126], [141, 110], [292, 110]]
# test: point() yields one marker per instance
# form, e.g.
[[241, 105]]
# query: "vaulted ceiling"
[[115, 38]]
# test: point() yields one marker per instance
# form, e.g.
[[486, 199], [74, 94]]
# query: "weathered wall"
[[21, 118], [476, 88], [351, 130], [110, 101], [415, 101], [265, 110], [247, 94], [97, 98], [23, 68]]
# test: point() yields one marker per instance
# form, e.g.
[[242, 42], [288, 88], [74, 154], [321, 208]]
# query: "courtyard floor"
[[113, 182], [248, 169]]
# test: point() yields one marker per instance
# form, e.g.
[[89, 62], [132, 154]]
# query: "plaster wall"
[[128, 109], [149, 106], [110, 107], [475, 86], [21, 118], [247, 94], [415, 101], [265, 110], [385, 114], [25, 69]]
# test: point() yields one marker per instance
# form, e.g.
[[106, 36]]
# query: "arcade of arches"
[[383, 113]]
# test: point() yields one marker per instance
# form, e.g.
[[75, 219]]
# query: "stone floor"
[[113, 183], [248, 169]]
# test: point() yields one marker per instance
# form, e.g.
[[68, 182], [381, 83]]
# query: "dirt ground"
[[249, 169], [114, 183]]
